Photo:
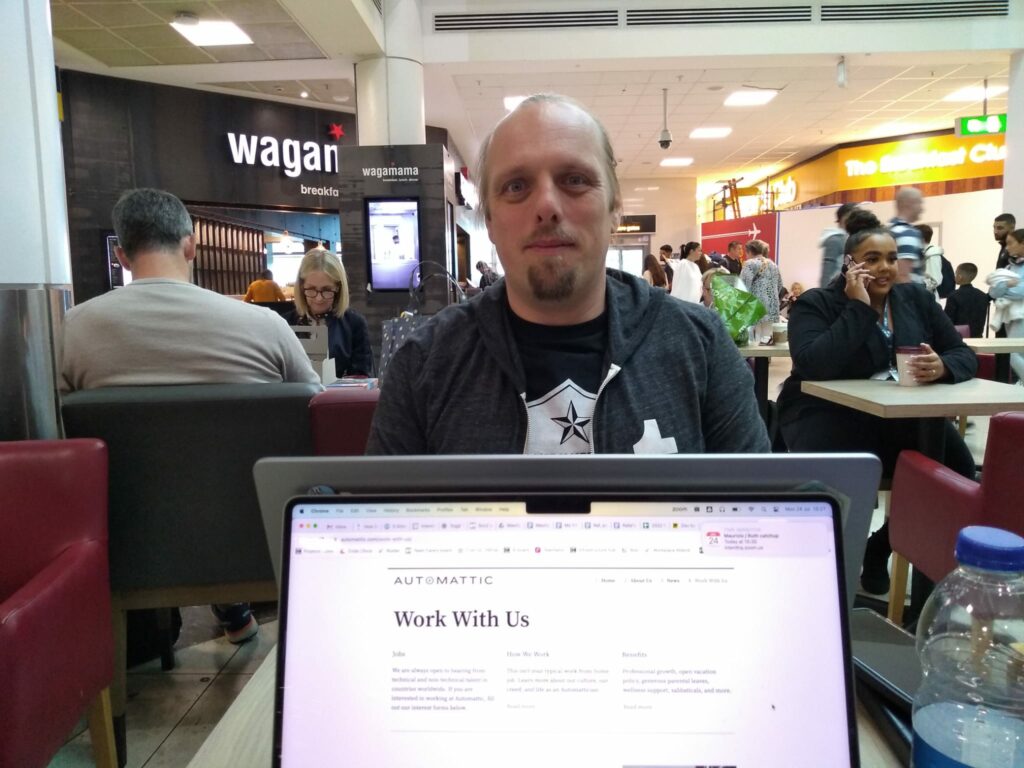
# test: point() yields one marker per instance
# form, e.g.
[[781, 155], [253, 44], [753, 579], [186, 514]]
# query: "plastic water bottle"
[[969, 711]]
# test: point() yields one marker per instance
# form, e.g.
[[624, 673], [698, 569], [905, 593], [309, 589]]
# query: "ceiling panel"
[[276, 34], [809, 113], [155, 36], [124, 57], [185, 55], [91, 39], [252, 11], [64, 17]]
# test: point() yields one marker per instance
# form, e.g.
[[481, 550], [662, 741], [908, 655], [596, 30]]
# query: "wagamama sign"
[[291, 155]]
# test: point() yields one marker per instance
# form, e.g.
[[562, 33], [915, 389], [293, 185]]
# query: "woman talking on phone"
[[850, 329]]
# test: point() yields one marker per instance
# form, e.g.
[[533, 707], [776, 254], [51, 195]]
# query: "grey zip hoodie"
[[671, 372]]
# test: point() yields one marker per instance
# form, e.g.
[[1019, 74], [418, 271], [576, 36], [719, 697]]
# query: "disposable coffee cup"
[[903, 355], [780, 333]]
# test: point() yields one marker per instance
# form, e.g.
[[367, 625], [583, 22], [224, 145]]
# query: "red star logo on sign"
[[335, 131]]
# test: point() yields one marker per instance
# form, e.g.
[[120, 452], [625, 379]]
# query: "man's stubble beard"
[[552, 280]]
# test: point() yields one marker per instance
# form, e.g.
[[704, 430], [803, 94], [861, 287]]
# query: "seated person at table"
[[162, 329], [321, 297], [564, 356], [264, 289], [850, 330]]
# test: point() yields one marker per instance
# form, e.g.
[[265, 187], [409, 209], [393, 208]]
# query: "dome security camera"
[[665, 139]]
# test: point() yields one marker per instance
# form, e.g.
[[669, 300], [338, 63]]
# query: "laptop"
[[462, 629]]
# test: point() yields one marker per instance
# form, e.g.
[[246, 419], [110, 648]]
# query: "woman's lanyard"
[[883, 326]]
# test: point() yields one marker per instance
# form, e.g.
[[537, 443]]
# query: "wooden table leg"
[[898, 587], [119, 685], [101, 731]]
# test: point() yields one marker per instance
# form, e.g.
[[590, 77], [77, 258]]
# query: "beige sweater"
[[161, 331]]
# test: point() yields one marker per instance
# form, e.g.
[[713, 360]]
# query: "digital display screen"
[[465, 632], [119, 276], [393, 242]]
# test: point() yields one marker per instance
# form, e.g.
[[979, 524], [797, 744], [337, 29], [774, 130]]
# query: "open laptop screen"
[[683, 632]]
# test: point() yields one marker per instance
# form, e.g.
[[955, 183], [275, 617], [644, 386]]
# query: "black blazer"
[[968, 306], [348, 342], [832, 337]]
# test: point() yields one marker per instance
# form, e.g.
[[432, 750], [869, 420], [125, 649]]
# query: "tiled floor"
[[170, 714]]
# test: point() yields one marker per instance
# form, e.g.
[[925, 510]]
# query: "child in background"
[[968, 306], [789, 297]]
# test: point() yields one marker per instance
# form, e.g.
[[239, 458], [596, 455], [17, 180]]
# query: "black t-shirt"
[[1004, 257], [563, 366]]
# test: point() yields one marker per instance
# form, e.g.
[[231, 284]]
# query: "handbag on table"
[[396, 330]]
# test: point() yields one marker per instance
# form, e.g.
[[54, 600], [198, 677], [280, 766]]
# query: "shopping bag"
[[396, 331], [739, 310]]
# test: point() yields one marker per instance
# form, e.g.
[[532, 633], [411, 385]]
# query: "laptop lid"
[[851, 477], [618, 629]]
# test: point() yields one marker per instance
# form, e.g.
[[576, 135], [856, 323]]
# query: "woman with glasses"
[[321, 297]]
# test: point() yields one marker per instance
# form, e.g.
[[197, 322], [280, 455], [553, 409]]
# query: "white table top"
[[995, 345], [889, 400], [244, 736], [768, 350]]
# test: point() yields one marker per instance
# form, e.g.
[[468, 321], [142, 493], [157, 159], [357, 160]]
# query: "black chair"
[[185, 524]]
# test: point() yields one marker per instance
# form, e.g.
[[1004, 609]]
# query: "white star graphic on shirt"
[[572, 425]]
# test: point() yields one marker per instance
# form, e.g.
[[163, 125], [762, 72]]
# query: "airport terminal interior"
[[743, 136]]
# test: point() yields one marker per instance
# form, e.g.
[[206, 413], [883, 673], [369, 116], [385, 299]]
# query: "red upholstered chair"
[[930, 504], [986, 360], [56, 646], [340, 419]]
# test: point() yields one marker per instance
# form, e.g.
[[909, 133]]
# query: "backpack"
[[946, 288]]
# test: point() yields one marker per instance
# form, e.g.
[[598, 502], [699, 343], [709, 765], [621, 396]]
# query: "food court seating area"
[[187, 531]]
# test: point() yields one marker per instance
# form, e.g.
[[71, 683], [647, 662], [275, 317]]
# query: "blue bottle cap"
[[991, 549]]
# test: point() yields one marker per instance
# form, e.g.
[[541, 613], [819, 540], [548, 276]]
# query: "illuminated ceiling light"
[[976, 93], [511, 102], [646, 189], [209, 33], [710, 133], [750, 98], [304, 95], [676, 162]]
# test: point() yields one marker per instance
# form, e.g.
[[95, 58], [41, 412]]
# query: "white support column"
[[1013, 168], [389, 88], [35, 266]]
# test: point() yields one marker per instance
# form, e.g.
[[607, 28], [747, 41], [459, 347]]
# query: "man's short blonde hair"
[[607, 153]]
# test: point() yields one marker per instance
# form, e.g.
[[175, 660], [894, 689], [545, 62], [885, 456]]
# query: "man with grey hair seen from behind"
[[563, 356], [162, 329], [909, 245]]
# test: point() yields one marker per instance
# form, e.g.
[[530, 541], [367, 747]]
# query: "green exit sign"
[[980, 125]]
